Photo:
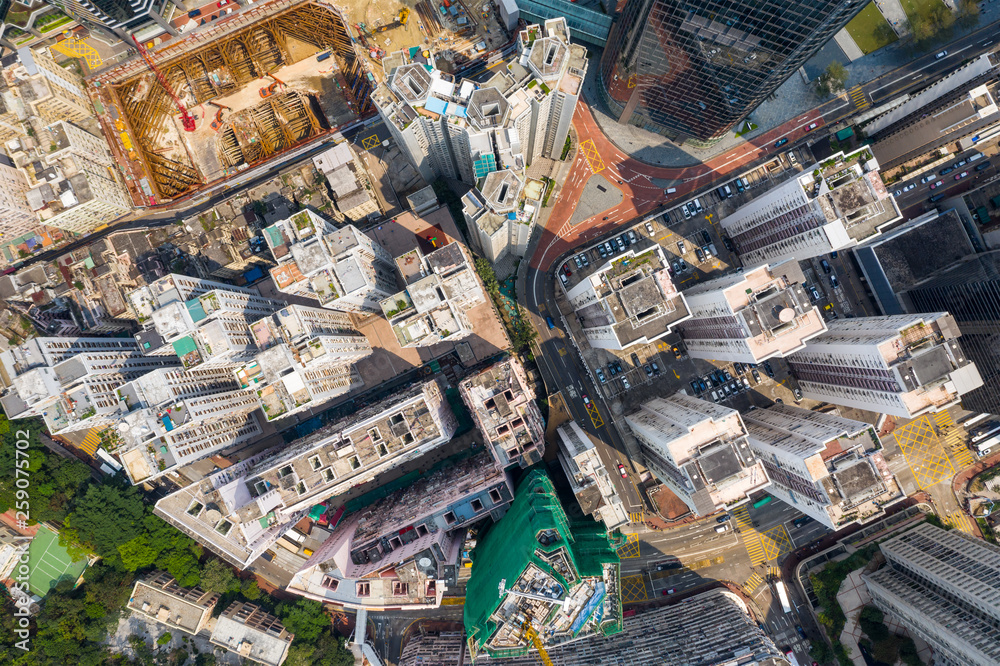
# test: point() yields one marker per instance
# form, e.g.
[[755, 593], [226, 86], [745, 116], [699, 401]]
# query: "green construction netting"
[[505, 551]]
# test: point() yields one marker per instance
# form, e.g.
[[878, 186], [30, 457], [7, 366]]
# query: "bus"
[[987, 438], [766, 499], [783, 596]]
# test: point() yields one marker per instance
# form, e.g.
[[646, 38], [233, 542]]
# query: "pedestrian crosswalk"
[[636, 517], [752, 584], [91, 442], [751, 539], [954, 440], [959, 521], [774, 573], [857, 96]]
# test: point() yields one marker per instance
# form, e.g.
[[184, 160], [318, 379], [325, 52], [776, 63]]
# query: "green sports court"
[[49, 563]]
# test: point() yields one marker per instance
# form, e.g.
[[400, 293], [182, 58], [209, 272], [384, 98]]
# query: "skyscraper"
[[689, 69], [969, 291], [943, 586]]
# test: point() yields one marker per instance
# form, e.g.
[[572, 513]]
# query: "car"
[[649, 228], [673, 564], [683, 265], [812, 126], [739, 184], [897, 193], [728, 242], [729, 377], [768, 369], [833, 281], [723, 518], [928, 178], [798, 394], [801, 632], [632, 237], [626, 241], [268, 555], [726, 389], [936, 197], [655, 367], [756, 375], [677, 352], [940, 55], [612, 370], [583, 258], [706, 235], [714, 380], [905, 189], [715, 396], [618, 367], [697, 205], [699, 254], [648, 369], [621, 470], [826, 266], [586, 399], [602, 251], [983, 166], [780, 142], [687, 213], [960, 164], [962, 175], [695, 386], [550, 322], [563, 278], [669, 591], [680, 247], [738, 367], [676, 267], [802, 520], [707, 250], [721, 528], [735, 387], [621, 244], [609, 248], [947, 170], [566, 270], [635, 360], [746, 384], [626, 384], [601, 376], [815, 293], [579, 261], [702, 385]]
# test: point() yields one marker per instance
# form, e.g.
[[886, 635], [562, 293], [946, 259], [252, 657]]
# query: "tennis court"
[[49, 562]]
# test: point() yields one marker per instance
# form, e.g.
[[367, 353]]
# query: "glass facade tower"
[[692, 69]]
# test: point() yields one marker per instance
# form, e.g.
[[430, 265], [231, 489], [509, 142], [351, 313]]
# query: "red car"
[[566, 270], [812, 127], [962, 175], [670, 591], [621, 468]]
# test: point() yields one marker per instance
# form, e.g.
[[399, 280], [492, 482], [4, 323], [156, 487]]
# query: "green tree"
[[887, 649], [217, 576], [250, 590], [486, 274], [832, 80], [78, 285], [108, 515], [164, 639], [871, 623], [968, 13], [304, 618]]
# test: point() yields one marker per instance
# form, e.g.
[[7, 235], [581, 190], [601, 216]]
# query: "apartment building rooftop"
[[503, 406], [160, 598], [240, 511], [253, 634], [589, 479]]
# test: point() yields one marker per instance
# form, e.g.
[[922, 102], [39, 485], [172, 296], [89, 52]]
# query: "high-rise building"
[[440, 290], [255, 635], [589, 479], [348, 180], [827, 207], [968, 290], [47, 90], [168, 289], [943, 586], [404, 551], [159, 598], [170, 418], [241, 511], [630, 300], [16, 216], [499, 215], [540, 578], [751, 316], [305, 356], [828, 467], [694, 70], [699, 450], [122, 18], [72, 382], [341, 268], [463, 130], [503, 406], [901, 365]]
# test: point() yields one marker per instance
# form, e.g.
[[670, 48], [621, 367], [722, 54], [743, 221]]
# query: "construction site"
[[210, 105]]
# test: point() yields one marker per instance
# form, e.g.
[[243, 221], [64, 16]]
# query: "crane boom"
[[186, 119]]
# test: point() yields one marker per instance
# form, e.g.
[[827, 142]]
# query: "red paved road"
[[640, 194]]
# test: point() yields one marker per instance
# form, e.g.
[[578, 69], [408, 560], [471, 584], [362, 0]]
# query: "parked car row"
[[616, 245]]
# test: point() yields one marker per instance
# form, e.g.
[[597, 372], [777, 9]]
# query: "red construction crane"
[[187, 120]]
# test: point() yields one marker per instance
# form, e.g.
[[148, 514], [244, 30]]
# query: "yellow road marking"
[[371, 142], [751, 538], [960, 522], [562, 351], [634, 589], [80, 49], [636, 517], [453, 601], [923, 452], [774, 572], [630, 549], [752, 584], [595, 416], [775, 542], [593, 158]]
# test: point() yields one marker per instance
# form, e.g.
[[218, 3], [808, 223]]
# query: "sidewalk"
[[794, 97]]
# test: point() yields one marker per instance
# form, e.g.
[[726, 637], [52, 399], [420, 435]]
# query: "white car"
[[927, 179], [909, 187]]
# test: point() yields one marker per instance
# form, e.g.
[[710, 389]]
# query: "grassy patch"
[[746, 127], [870, 30], [914, 8]]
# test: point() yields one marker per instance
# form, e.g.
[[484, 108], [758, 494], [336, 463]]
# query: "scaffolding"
[[218, 63]]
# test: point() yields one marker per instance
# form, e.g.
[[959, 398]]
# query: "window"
[[495, 496], [330, 583], [195, 508], [395, 542], [328, 475], [374, 434], [223, 527], [477, 505], [399, 589], [285, 471], [363, 589], [449, 517], [315, 463]]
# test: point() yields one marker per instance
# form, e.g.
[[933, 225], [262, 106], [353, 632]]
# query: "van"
[[746, 183], [984, 165], [791, 157], [671, 190], [687, 213], [975, 157], [721, 528], [729, 192], [936, 197], [562, 276], [697, 204], [550, 322]]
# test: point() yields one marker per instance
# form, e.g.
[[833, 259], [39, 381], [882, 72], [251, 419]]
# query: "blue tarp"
[[592, 604], [436, 105], [253, 274]]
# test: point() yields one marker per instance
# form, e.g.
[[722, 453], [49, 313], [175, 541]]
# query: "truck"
[[790, 656], [783, 596]]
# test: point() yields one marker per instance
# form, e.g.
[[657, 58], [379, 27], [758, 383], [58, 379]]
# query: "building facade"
[[589, 478], [123, 19], [699, 450], [969, 290], [901, 365], [828, 467], [750, 317], [158, 597], [694, 70], [499, 215], [47, 90], [16, 216], [944, 587]]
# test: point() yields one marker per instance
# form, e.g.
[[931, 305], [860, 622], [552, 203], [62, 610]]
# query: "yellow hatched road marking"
[[80, 49], [453, 601], [91, 442], [960, 522], [630, 549], [371, 142], [923, 452], [774, 572], [636, 517], [593, 158], [751, 538], [634, 589], [776, 542], [595, 416]]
